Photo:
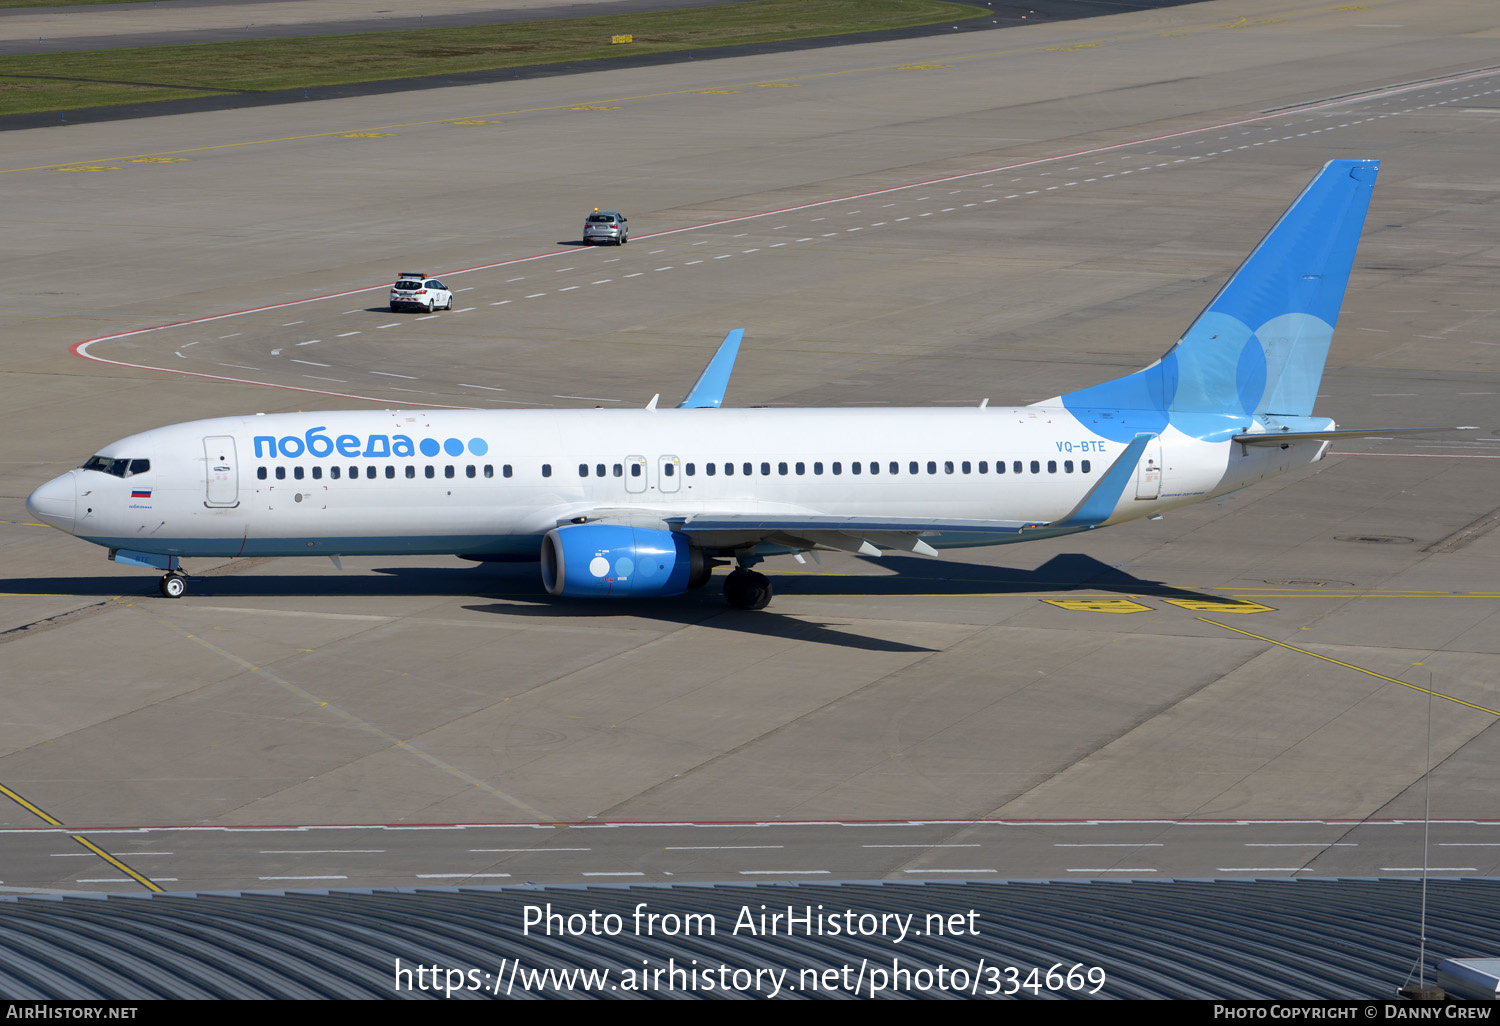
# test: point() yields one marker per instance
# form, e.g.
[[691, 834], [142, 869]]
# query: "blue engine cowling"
[[614, 560]]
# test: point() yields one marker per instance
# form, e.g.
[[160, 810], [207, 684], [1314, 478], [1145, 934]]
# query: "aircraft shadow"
[[915, 576], [520, 581], [521, 593]]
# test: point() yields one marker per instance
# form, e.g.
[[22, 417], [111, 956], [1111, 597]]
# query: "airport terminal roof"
[[1221, 939]]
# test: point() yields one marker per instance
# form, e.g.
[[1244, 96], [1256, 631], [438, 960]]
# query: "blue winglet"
[[1099, 504], [708, 390]]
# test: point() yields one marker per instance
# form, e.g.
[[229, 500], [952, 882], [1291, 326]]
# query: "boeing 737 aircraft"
[[648, 502]]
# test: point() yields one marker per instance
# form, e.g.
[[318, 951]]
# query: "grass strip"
[[67, 81]]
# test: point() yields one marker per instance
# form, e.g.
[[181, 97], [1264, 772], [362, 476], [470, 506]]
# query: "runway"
[[933, 221]]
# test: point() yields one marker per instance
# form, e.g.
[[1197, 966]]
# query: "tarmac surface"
[[1238, 689]]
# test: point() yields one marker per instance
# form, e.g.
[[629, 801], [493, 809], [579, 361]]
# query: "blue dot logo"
[[478, 446], [429, 447], [453, 447]]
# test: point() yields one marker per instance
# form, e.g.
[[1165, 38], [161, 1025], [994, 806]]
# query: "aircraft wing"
[[868, 535]]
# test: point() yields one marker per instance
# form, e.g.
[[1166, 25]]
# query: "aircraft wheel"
[[746, 589], [173, 586]]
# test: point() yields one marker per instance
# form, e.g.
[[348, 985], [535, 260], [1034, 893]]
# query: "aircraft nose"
[[55, 503]]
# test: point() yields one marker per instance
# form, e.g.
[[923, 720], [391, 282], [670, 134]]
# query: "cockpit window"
[[117, 465]]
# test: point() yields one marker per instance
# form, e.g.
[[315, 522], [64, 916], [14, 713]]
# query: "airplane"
[[648, 502]]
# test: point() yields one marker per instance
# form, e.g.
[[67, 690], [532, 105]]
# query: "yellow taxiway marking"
[[1099, 605], [1351, 666], [1212, 605], [90, 845], [34, 810]]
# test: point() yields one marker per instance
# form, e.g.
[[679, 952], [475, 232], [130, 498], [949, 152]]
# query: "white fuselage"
[[493, 483]]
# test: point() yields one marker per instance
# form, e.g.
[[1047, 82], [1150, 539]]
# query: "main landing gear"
[[746, 589], [173, 585]]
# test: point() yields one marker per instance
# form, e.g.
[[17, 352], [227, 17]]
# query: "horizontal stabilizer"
[[1287, 437], [708, 391]]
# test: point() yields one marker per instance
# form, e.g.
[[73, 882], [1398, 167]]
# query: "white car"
[[415, 290]]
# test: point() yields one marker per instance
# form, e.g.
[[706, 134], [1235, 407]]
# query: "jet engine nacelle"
[[617, 561]]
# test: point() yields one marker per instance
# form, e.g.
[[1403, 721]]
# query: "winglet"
[[1099, 504], [708, 390]]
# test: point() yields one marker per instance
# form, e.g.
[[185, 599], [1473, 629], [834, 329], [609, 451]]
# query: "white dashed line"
[[388, 374]]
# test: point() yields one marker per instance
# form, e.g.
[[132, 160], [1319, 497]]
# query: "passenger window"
[[931, 466], [801, 469], [947, 466], [260, 473], [619, 470], [1051, 466], [599, 469], [583, 470], [1016, 466], [711, 469], [333, 472], [1067, 466], [317, 473], [668, 470], [546, 470], [838, 468], [1084, 466], [429, 471], [874, 466], [1036, 466], [506, 470], [448, 471], [984, 466], [390, 473], [635, 470], [999, 466], [854, 467], [281, 473], [370, 473], [748, 469], [729, 470], [297, 473], [817, 468], [489, 470], [469, 471], [411, 471], [765, 470], [691, 470]]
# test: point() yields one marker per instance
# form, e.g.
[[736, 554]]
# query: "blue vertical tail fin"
[[1258, 349]]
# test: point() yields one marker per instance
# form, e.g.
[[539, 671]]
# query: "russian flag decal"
[[141, 493]]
